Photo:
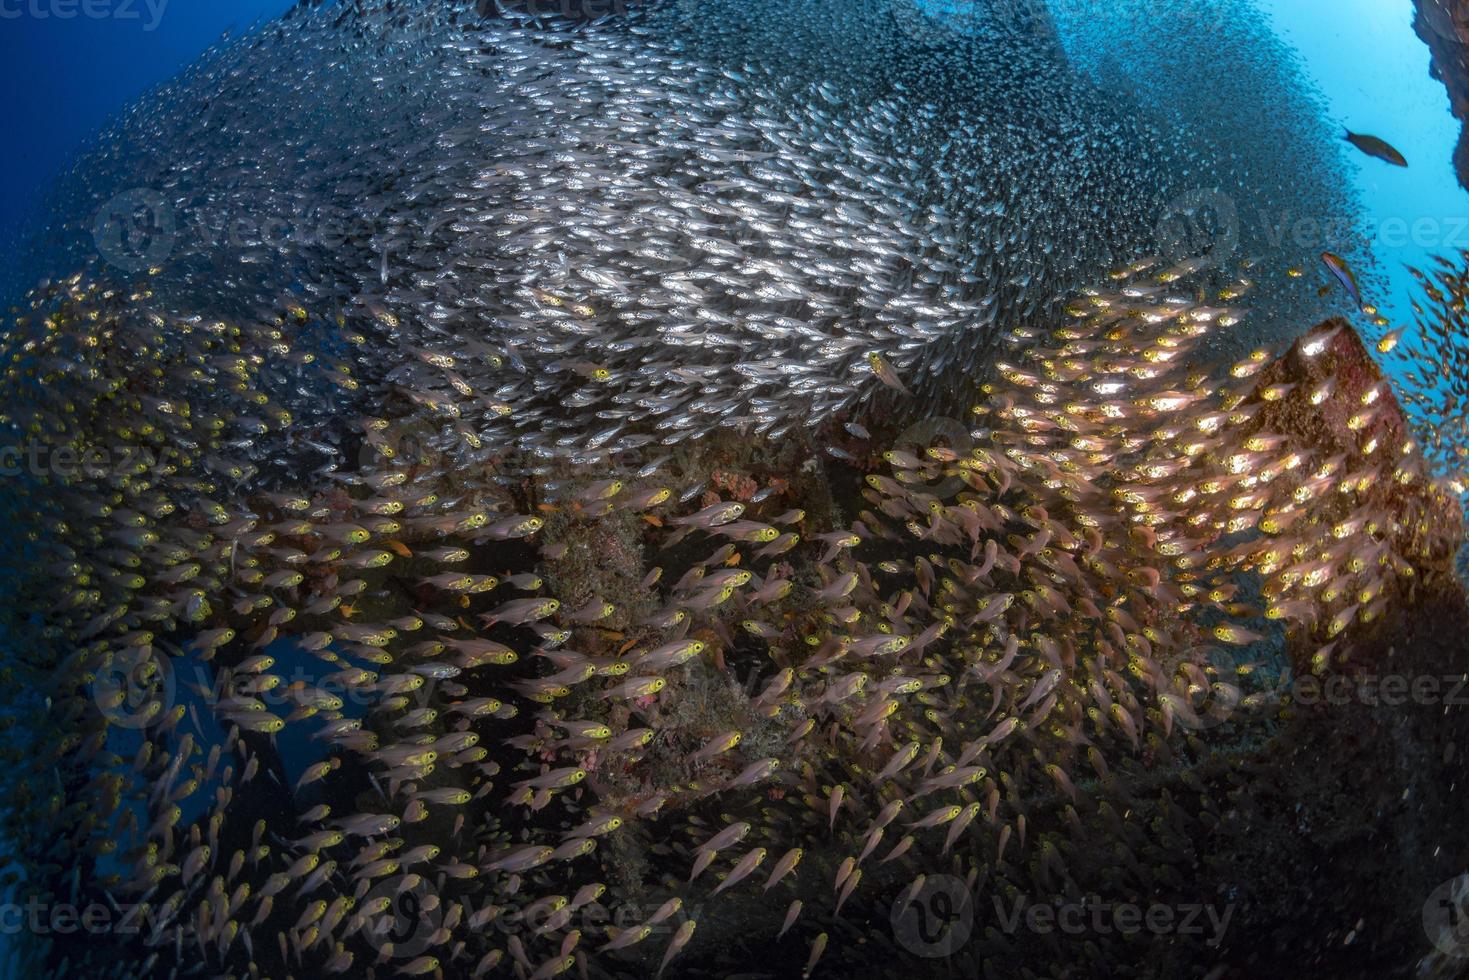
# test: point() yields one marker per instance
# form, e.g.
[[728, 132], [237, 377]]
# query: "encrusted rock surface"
[[1444, 27], [1321, 824]]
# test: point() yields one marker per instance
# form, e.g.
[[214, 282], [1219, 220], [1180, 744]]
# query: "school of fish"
[[553, 666], [685, 218]]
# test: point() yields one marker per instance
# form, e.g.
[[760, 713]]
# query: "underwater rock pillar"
[[1444, 27], [1362, 424]]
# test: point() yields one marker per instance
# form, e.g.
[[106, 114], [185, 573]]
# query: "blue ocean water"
[[1373, 71], [68, 72]]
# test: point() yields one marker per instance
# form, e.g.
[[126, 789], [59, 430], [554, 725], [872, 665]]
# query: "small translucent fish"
[[638, 687], [713, 516], [681, 938], [885, 373], [742, 869], [628, 937], [817, 948], [792, 914]]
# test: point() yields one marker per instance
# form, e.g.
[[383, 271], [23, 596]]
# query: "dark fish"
[[1374, 147]]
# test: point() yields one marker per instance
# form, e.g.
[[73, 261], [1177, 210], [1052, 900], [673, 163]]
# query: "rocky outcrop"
[[1444, 27], [1315, 830]]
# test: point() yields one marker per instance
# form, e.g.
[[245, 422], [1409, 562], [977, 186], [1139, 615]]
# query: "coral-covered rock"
[[1360, 419], [1444, 27]]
